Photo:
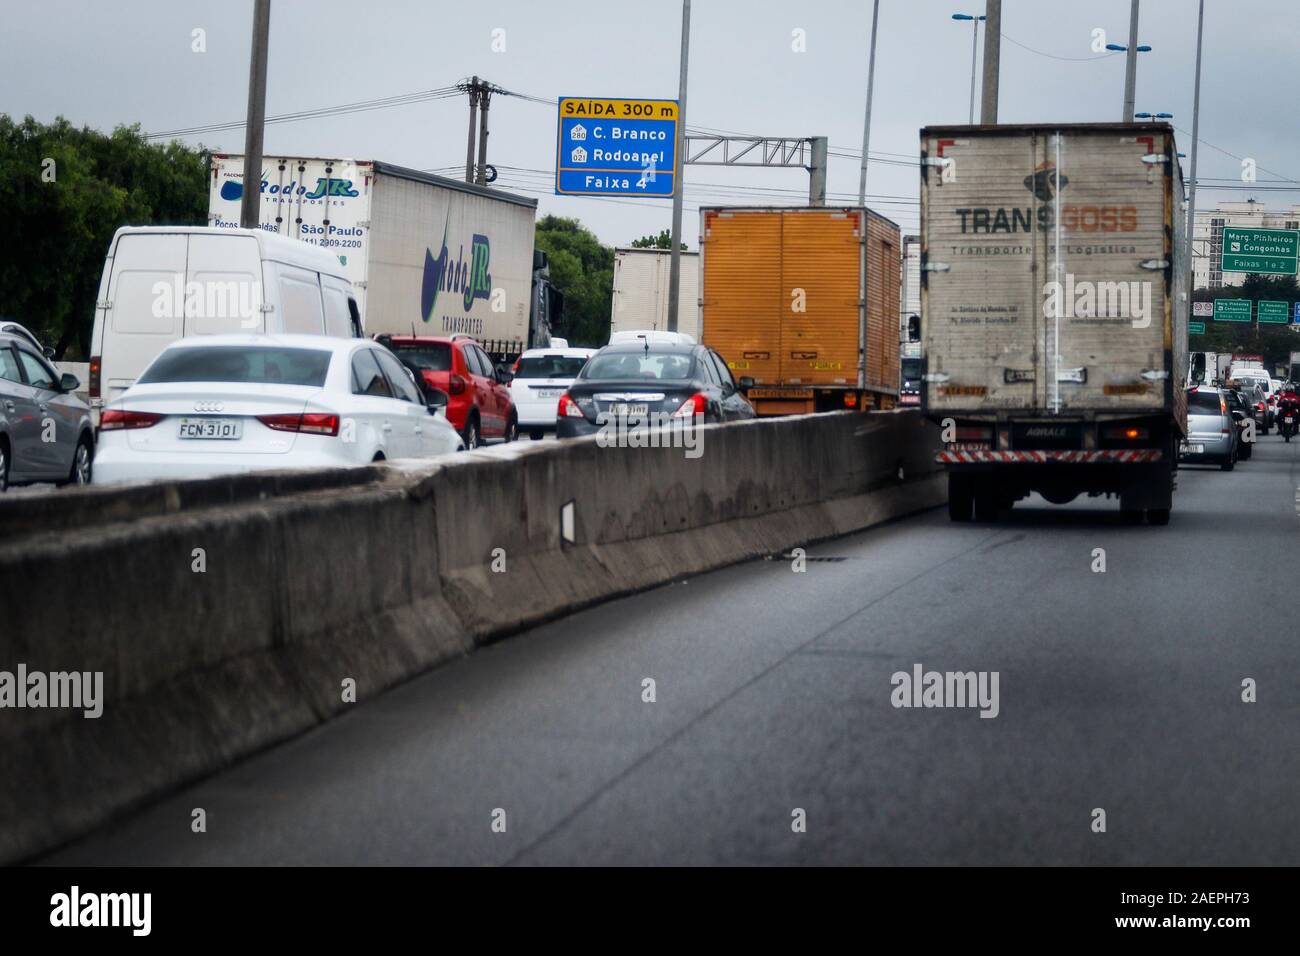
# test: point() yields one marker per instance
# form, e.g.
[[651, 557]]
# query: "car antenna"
[[645, 342]]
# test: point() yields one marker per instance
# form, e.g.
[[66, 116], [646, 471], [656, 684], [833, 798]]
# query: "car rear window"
[[550, 366], [254, 365], [427, 357], [1204, 402], [652, 367]]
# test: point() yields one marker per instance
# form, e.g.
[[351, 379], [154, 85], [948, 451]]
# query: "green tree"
[[583, 270], [662, 241], [1274, 342], [65, 192]]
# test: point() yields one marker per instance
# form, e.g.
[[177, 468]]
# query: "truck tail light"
[[310, 423], [1125, 433], [94, 376], [973, 433], [113, 419]]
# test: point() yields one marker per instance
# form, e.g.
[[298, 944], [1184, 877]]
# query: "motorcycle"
[[1289, 419]]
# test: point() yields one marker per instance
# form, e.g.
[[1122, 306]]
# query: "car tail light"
[[94, 376], [568, 408], [310, 423], [455, 385], [112, 419], [693, 406]]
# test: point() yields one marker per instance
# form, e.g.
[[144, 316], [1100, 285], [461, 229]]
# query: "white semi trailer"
[[426, 255]]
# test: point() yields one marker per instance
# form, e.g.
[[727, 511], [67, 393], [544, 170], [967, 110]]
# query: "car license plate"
[[230, 429], [1192, 448], [1288, 419], [629, 409], [548, 392]]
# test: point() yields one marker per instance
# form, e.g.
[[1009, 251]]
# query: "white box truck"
[[1054, 323], [640, 299], [426, 255]]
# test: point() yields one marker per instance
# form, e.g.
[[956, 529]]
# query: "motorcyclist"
[[1288, 406]]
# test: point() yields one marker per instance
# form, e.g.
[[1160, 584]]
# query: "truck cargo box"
[[803, 301], [426, 255], [992, 275]]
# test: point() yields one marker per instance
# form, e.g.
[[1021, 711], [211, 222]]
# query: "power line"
[[362, 106], [1053, 56]]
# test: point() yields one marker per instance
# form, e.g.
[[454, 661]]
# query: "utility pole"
[[866, 122], [484, 95], [992, 57], [1191, 192], [473, 119], [675, 256], [817, 172], [250, 206], [1130, 62]]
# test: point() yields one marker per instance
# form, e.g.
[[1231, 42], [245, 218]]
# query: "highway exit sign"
[[1232, 310], [608, 147], [1269, 251], [1279, 312]]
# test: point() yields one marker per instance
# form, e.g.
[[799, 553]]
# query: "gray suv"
[[45, 430]]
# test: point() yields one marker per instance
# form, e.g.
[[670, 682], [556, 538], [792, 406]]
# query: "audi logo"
[[208, 406]]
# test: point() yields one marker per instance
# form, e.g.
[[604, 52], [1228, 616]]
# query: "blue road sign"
[[1296, 317], [616, 147]]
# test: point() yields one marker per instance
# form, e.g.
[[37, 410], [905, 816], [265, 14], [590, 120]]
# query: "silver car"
[[45, 430], [1212, 434]]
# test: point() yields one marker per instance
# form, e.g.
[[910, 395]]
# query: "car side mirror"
[[1238, 416], [504, 375], [435, 400], [69, 382], [49, 352], [746, 383]]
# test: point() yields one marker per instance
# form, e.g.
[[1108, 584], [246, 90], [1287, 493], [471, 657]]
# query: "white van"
[[163, 283]]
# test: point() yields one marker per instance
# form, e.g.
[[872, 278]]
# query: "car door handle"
[[9, 406], [44, 407], [419, 429], [387, 427]]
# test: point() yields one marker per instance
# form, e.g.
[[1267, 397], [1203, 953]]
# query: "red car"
[[478, 402]]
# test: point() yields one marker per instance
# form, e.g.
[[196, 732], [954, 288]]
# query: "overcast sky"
[[109, 62]]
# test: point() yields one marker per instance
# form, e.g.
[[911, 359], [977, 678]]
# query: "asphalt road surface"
[[1118, 690]]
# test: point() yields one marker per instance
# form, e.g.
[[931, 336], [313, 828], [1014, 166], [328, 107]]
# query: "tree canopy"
[[583, 270], [65, 192]]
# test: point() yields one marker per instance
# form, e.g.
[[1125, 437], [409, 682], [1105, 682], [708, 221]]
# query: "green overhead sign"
[[1195, 328], [1270, 251], [1232, 310], [1279, 312]]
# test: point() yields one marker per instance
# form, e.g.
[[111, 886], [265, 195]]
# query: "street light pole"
[[992, 62], [866, 123], [1196, 121], [250, 205], [1130, 63], [974, 45], [675, 256]]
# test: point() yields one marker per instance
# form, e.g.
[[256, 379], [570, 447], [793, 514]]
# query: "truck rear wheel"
[[961, 496]]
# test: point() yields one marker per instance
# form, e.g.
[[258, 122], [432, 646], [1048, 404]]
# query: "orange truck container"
[[803, 305]]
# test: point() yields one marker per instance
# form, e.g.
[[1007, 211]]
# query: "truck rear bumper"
[[1116, 456]]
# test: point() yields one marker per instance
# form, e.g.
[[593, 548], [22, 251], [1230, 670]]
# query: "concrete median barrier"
[[226, 616]]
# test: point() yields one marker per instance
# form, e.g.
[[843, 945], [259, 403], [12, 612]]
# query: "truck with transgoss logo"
[[1053, 313], [426, 255]]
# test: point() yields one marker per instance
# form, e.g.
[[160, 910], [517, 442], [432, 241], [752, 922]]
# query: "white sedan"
[[541, 376], [237, 403]]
